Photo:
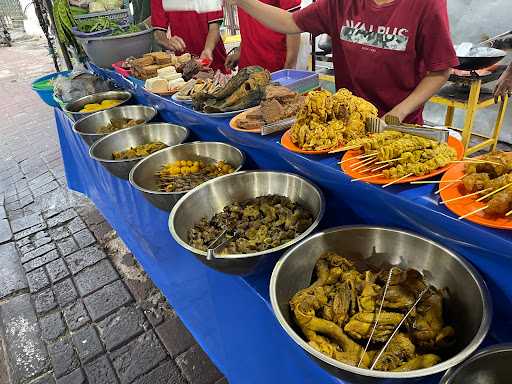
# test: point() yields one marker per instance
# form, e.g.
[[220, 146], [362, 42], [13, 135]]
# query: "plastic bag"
[[200, 6], [78, 84], [304, 56]]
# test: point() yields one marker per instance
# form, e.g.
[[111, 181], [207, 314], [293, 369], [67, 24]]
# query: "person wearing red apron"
[[264, 47], [196, 33], [394, 53]]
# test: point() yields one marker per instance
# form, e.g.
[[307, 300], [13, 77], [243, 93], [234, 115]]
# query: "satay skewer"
[[494, 192], [473, 212], [397, 180], [475, 162], [463, 197], [343, 149], [508, 213], [449, 185], [379, 168], [482, 161]]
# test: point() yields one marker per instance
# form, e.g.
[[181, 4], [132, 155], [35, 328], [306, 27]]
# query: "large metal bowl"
[[73, 108], [492, 365], [211, 197], [469, 309], [87, 126], [142, 176], [102, 149]]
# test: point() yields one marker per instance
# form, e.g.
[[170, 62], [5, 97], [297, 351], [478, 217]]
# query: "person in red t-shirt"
[[264, 47], [197, 33], [394, 53]]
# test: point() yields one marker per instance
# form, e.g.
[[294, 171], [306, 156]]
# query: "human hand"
[[228, 3], [207, 54], [504, 85], [176, 44], [396, 112], [232, 59]]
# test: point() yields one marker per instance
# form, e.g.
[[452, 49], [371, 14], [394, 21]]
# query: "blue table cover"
[[231, 316]]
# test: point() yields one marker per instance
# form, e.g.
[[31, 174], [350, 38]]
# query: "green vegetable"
[[77, 11]]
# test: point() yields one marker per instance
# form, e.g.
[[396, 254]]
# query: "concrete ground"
[[75, 307]]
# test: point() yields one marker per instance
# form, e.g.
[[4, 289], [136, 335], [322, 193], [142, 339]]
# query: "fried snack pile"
[[183, 175], [327, 121], [263, 223], [411, 154], [142, 150], [337, 312], [493, 175]]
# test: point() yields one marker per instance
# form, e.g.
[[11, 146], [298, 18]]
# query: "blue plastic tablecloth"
[[231, 316]]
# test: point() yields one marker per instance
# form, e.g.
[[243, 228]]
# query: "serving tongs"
[[220, 242], [396, 328], [376, 125], [278, 126]]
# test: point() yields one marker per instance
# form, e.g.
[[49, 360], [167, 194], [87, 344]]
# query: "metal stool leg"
[[502, 111], [450, 112], [474, 95]]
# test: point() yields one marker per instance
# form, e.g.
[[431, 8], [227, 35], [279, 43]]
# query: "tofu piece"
[[170, 76], [166, 70], [176, 83], [157, 85]]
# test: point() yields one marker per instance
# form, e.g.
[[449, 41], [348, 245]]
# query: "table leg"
[[502, 111], [472, 104], [450, 112]]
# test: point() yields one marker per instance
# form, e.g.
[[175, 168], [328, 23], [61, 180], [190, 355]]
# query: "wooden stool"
[[451, 96]]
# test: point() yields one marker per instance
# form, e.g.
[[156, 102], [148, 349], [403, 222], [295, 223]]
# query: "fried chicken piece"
[[361, 324], [419, 362], [399, 350]]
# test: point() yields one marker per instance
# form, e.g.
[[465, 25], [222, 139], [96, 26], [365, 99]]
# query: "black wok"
[[475, 62]]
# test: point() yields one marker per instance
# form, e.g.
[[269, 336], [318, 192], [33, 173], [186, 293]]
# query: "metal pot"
[[142, 176], [489, 366], [87, 126], [211, 197], [102, 149], [469, 309], [73, 108]]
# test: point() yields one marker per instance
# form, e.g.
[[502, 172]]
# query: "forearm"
[[292, 50], [430, 84], [213, 37], [274, 18]]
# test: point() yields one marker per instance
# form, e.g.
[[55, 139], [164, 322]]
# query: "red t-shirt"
[[260, 45], [381, 53], [192, 27]]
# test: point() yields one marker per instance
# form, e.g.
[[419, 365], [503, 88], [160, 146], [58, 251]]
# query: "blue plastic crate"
[[296, 80], [46, 94]]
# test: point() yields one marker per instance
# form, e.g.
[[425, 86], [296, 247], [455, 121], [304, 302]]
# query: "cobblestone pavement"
[[75, 307]]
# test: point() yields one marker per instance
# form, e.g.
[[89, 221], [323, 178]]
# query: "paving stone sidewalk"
[[75, 307]]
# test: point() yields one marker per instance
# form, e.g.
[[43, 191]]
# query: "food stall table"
[[230, 316]]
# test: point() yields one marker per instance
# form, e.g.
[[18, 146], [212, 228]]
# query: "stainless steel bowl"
[[469, 309], [211, 197], [142, 176], [87, 126], [102, 149], [491, 365], [73, 108]]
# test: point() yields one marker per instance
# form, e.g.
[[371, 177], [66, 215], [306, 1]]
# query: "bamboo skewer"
[[343, 149], [508, 213], [365, 156], [449, 185], [475, 162], [378, 168], [367, 177], [397, 180], [463, 197], [364, 164], [346, 160], [482, 161], [472, 213], [494, 192], [388, 161], [433, 181]]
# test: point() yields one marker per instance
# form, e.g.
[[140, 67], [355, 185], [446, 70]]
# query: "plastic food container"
[[107, 50], [298, 81]]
